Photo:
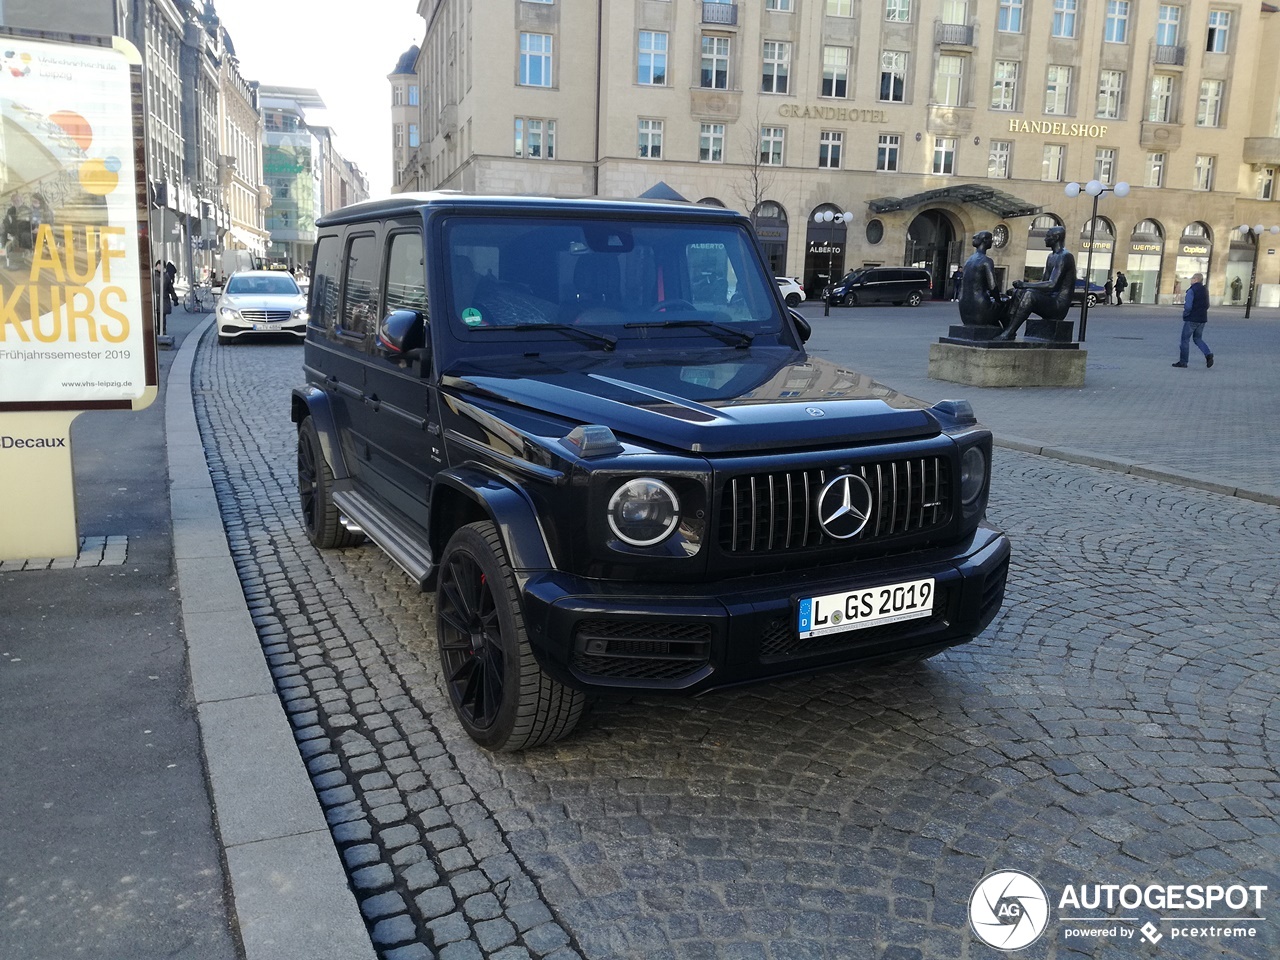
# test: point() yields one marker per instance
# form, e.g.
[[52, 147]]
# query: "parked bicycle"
[[200, 298]]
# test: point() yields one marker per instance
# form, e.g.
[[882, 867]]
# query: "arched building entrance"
[[771, 227], [1146, 250], [932, 244]]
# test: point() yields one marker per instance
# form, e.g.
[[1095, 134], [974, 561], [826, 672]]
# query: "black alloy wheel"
[[499, 692], [320, 517]]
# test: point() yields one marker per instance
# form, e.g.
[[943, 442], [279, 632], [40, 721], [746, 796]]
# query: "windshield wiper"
[[586, 336], [722, 332]]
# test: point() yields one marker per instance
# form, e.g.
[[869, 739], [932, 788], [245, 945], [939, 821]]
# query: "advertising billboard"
[[76, 317]]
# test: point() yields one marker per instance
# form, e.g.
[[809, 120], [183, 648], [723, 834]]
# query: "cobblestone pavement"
[[1118, 724]]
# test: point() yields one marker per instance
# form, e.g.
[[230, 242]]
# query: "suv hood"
[[731, 402]]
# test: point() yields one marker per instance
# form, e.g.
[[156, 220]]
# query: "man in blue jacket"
[[1195, 313]]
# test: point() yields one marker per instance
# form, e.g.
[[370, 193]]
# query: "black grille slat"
[[640, 649], [770, 513]]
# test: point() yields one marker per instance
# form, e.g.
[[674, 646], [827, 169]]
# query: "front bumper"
[[608, 636], [229, 329]]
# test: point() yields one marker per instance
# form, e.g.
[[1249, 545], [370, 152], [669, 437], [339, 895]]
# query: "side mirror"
[[802, 325], [402, 331]]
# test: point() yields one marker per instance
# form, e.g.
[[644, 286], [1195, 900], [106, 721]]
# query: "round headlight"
[[643, 512], [973, 475]]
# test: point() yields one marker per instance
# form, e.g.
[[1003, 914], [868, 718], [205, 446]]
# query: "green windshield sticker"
[[472, 318]]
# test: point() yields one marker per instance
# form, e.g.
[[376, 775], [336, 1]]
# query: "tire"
[[850, 300], [793, 299], [501, 696], [1093, 299], [915, 298], [315, 494]]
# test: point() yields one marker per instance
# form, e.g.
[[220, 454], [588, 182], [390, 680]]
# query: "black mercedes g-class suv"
[[592, 426]]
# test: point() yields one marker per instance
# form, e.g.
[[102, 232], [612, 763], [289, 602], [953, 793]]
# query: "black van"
[[896, 285], [593, 428]]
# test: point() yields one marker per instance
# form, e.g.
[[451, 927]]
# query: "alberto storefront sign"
[[76, 329], [75, 315]]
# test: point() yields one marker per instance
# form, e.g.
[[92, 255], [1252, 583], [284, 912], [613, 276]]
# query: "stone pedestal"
[[1017, 363]]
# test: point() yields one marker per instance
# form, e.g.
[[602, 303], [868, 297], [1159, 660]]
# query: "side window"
[[406, 279], [325, 277], [360, 293]]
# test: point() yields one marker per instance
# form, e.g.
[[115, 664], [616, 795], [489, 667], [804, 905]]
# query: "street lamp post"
[[1257, 230], [1095, 189], [828, 216]]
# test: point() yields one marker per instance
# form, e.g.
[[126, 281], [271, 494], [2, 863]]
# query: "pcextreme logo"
[[1009, 910]]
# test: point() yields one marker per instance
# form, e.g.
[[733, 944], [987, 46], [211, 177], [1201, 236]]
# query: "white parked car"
[[791, 289], [261, 301]]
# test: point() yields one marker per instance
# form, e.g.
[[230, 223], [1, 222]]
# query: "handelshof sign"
[[76, 319]]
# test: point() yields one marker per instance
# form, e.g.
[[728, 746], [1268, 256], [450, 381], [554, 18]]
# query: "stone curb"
[[1144, 470], [290, 893]]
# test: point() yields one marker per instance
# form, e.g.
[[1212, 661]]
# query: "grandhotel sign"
[[845, 114]]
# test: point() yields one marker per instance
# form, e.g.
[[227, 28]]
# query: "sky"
[[342, 48]]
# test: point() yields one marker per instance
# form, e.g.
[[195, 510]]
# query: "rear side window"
[[406, 280], [325, 276], [360, 292]]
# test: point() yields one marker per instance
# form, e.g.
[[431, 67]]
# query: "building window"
[[652, 68], [413, 135], [1169, 25], [1055, 156], [944, 155], [715, 63], [955, 11], [1104, 165], [899, 11], [830, 146], [782, 6], [1266, 183], [839, 8], [1110, 93], [887, 152], [893, 76], [650, 139], [1057, 90], [1009, 17], [1155, 170], [397, 95], [949, 82], [771, 142], [1004, 86], [535, 138], [1160, 107], [1219, 29], [535, 59], [1117, 28], [1064, 18], [413, 94], [711, 143], [1204, 172], [1209, 109], [998, 160], [777, 66], [835, 71]]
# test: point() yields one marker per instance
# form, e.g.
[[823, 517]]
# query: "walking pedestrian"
[[956, 278], [1194, 316], [1122, 283]]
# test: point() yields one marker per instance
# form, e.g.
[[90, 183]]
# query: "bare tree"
[[755, 184]]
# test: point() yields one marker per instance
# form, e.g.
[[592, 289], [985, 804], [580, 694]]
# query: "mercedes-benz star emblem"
[[815, 411], [844, 506]]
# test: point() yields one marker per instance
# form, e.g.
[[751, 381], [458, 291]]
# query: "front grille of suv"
[[266, 316], [776, 512]]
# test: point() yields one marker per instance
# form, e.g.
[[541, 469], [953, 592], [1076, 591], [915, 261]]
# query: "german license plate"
[[859, 609], [266, 327]]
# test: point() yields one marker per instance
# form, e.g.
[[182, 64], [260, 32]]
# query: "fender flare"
[[503, 502], [311, 401]]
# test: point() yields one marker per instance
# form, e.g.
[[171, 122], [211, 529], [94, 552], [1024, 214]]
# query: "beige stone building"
[[240, 163], [923, 121]]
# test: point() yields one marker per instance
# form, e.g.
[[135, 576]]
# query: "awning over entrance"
[[997, 201]]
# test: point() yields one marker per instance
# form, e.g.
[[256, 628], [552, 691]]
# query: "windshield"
[[520, 278], [274, 284]]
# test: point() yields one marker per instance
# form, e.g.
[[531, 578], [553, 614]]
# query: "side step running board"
[[409, 553]]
